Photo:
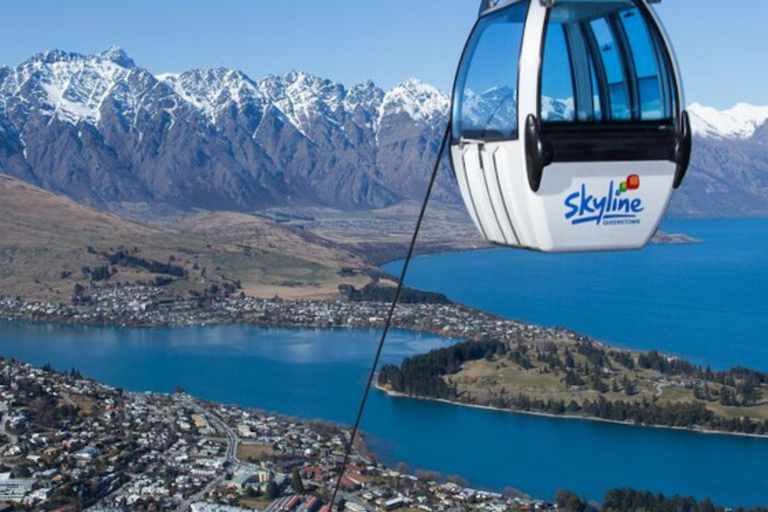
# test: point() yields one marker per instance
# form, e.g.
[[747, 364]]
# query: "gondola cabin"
[[568, 131]]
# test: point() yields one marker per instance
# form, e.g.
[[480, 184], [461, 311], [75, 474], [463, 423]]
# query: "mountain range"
[[110, 134]]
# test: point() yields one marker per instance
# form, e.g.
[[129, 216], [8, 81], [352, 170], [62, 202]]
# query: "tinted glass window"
[[618, 88], [606, 62], [650, 82], [557, 101], [486, 90], [596, 101]]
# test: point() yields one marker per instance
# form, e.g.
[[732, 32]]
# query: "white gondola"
[[568, 125]]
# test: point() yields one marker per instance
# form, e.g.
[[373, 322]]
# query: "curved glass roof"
[[489, 5]]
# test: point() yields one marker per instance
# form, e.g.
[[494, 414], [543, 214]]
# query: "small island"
[[664, 238]]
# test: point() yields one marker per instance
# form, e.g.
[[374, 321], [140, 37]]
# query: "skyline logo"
[[611, 208]]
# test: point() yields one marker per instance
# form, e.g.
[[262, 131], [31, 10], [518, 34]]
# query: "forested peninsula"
[[586, 379]]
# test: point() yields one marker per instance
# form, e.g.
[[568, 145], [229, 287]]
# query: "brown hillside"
[[46, 241]]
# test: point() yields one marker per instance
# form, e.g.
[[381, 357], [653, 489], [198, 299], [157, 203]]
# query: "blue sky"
[[722, 49]]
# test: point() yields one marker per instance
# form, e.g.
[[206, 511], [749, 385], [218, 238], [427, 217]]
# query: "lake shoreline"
[[393, 447], [447, 321], [397, 395], [660, 238]]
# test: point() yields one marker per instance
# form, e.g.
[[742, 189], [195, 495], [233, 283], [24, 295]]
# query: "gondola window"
[[487, 85]]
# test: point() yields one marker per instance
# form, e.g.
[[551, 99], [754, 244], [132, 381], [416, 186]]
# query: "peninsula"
[[500, 363]]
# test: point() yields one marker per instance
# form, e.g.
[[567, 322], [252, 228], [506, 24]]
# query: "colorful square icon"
[[633, 182]]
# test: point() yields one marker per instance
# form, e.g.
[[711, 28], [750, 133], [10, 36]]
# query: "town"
[[142, 305], [69, 443]]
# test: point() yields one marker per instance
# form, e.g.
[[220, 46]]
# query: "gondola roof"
[[487, 6]]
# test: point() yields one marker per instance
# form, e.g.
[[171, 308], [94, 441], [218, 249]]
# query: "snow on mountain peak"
[[739, 122], [72, 87], [417, 99], [54, 56], [210, 90], [366, 95], [301, 97], [69, 85], [118, 56]]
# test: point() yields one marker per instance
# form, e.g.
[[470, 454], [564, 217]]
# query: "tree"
[[428, 476], [23, 471], [273, 491], [566, 500], [596, 382], [629, 388], [571, 379], [511, 492], [750, 390], [725, 397], [296, 483]]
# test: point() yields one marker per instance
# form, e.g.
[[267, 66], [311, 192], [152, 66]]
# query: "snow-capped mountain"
[[729, 165], [740, 122], [71, 86], [105, 131]]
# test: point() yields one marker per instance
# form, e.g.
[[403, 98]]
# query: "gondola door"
[[602, 124], [486, 143]]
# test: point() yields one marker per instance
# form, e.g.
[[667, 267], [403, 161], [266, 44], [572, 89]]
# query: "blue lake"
[[705, 301], [718, 318]]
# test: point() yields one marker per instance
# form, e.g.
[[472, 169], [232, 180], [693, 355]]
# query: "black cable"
[[391, 313]]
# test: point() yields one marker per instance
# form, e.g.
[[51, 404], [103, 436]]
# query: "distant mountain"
[[729, 167], [102, 130], [107, 132], [740, 122]]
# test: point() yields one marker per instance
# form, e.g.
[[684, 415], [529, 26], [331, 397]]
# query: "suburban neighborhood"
[[69, 443]]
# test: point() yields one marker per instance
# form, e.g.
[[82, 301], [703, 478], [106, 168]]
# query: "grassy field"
[[84, 402], [483, 381], [255, 451], [273, 259], [255, 503], [382, 235]]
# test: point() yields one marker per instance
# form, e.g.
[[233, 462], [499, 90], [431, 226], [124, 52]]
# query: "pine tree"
[[296, 483], [273, 491]]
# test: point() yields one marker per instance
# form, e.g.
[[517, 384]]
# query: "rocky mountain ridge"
[[104, 131]]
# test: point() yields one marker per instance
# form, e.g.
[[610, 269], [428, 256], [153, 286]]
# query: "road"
[[277, 505], [232, 439], [230, 455], [69, 400], [13, 439]]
